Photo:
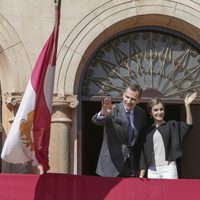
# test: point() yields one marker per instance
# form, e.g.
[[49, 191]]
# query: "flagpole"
[[1, 128]]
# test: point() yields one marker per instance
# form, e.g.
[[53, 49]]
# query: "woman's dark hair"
[[154, 102]]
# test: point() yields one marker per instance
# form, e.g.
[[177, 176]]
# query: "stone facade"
[[85, 24]]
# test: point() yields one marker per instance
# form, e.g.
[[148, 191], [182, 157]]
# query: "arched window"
[[160, 61]]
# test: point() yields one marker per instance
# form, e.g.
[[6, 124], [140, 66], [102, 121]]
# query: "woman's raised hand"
[[190, 98]]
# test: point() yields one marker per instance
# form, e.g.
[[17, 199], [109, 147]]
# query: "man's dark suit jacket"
[[115, 149]]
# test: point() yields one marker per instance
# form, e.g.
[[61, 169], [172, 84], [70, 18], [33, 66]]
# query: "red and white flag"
[[29, 135]]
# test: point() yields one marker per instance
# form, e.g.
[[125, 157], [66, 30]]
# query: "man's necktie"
[[130, 129]]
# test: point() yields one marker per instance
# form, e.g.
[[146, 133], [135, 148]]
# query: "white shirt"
[[159, 150]]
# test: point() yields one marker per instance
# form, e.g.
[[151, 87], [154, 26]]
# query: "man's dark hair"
[[135, 87]]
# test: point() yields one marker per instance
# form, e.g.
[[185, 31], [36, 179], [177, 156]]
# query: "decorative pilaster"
[[60, 140]]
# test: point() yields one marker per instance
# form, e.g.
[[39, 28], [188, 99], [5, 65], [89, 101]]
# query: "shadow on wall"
[[73, 187]]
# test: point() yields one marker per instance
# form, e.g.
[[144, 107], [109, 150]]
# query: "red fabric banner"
[[73, 187]]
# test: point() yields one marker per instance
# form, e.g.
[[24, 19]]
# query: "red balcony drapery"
[[74, 187]]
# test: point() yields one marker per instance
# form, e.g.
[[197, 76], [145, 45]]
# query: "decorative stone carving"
[[68, 101], [13, 100], [62, 103]]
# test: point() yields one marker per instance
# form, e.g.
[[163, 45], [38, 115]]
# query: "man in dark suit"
[[123, 124]]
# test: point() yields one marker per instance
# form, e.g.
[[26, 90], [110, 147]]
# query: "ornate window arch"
[[156, 59]]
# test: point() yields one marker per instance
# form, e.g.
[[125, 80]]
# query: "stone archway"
[[13, 59], [15, 69], [111, 18], [14, 62], [104, 22], [158, 60]]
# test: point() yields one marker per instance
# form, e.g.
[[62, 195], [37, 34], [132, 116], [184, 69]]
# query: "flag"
[[29, 135]]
